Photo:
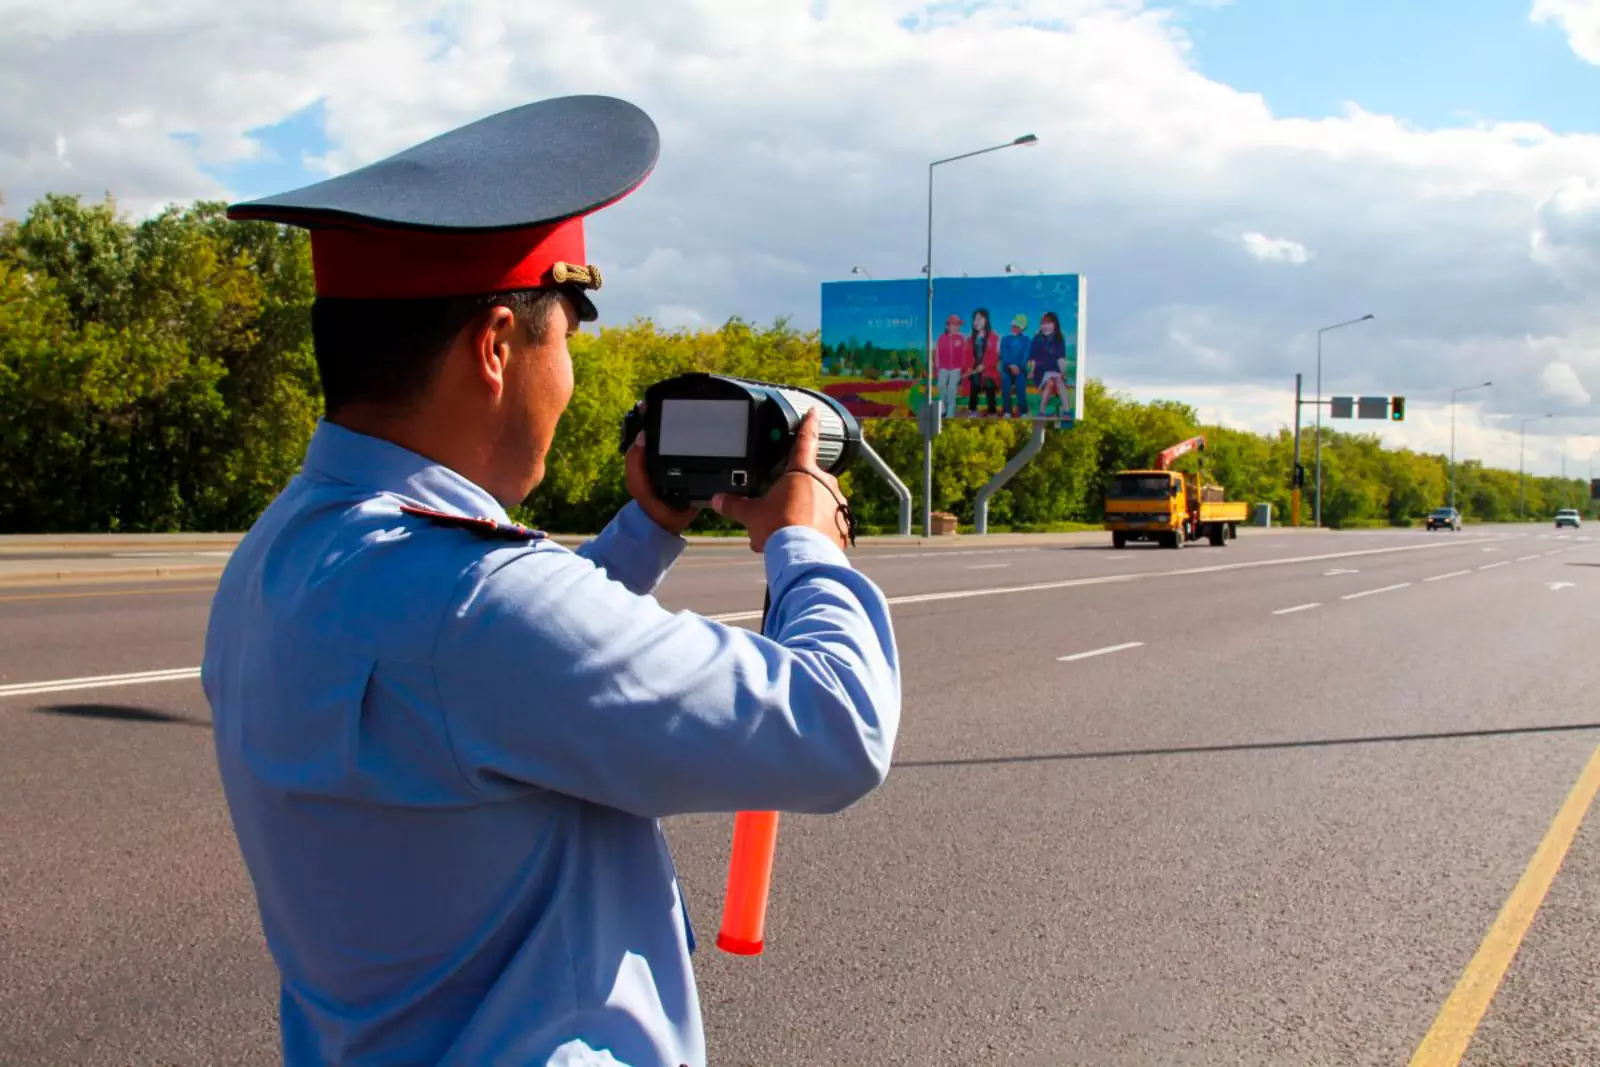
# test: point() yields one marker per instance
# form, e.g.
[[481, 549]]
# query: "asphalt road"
[[1252, 805]]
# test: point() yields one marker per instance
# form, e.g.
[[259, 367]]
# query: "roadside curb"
[[122, 574]]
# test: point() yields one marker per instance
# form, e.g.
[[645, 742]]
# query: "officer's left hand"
[[673, 520]]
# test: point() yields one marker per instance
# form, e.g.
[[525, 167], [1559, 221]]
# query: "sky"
[[1229, 175]]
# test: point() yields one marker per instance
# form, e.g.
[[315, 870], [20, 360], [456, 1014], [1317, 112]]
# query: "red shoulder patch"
[[482, 526]]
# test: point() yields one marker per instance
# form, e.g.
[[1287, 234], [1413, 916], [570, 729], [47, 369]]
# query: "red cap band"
[[373, 264]]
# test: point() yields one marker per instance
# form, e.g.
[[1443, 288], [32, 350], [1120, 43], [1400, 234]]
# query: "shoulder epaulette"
[[483, 527]]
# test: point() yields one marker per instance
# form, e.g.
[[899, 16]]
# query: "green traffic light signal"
[[1397, 410]]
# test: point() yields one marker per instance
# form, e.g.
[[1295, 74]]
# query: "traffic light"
[[1397, 410]]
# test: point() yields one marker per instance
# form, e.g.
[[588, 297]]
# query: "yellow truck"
[[1170, 507]]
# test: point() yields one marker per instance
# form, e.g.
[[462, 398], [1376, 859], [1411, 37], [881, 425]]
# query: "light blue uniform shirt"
[[445, 757]]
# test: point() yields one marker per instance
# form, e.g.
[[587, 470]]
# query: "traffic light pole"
[[1295, 476]]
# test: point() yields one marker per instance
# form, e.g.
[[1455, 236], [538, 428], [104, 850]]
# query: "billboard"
[[1010, 346]]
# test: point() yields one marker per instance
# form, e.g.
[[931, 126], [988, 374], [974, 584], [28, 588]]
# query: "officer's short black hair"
[[387, 352]]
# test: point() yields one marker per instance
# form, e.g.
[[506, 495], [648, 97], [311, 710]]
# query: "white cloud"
[[1274, 249], [1560, 383], [1566, 233], [1579, 19], [796, 138]]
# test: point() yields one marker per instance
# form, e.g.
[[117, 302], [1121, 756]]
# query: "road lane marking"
[[1491, 550], [1556, 587], [1554, 551], [104, 681], [1338, 570], [867, 556], [1524, 559], [1300, 607], [1108, 559], [1375, 592], [987, 566], [1452, 1031], [968, 594], [1101, 651], [1492, 566], [113, 592], [1442, 577]]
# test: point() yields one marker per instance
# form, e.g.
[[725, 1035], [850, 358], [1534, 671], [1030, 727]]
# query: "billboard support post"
[[1009, 471], [886, 472]]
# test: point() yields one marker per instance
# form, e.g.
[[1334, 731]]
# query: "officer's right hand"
[[803, 496]]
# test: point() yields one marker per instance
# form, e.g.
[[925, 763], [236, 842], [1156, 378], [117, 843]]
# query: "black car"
[[1444, 519]]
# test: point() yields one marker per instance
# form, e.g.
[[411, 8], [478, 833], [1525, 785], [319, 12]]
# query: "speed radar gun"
[[710, 433], [706, 434]]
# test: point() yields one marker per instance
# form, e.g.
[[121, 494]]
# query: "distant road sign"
[[1343, 407], [1372, 407]]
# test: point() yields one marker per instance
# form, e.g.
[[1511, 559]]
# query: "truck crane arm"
[[1182, 448]]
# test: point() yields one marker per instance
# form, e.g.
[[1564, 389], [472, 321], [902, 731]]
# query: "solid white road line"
[[1442, 577], [1492, 566], [1101, 651], [1300, 607], [1374, 592], [104, 681], [177, 674]]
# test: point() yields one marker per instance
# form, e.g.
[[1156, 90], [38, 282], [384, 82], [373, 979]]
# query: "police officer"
[[446, 741]]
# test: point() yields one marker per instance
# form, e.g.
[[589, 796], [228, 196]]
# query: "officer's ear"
[[491, 340]]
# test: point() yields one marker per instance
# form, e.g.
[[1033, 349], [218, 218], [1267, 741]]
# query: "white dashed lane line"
[[1100, 651], [1375, 592], [1442, 577], [1298, 607]]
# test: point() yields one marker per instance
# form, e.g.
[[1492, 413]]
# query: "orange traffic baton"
[[744, 908]]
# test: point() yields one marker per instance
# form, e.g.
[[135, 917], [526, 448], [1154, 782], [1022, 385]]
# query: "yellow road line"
[[111, 592], [1458, 1019]]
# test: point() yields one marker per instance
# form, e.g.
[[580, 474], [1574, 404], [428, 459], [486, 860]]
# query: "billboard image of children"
[[951, 361], [1014, 350], [1047, 361], [1019, 335], [985, 371]]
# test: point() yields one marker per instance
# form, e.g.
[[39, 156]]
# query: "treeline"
[[158, 376]]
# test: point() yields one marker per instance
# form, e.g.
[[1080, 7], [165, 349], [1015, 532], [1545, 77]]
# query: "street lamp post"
[[1522, 451], [1317, 520], [927, 432], [1453, 394]]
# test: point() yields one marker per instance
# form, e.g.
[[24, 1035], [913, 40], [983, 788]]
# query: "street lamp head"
[[1365, 317], [1026, 138]]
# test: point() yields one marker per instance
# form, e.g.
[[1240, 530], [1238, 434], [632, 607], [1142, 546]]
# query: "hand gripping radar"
[[711, 433]]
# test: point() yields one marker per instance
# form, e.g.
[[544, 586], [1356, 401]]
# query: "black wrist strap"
[[843, 509]]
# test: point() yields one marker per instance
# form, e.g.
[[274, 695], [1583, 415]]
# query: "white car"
[[1568, 517]]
